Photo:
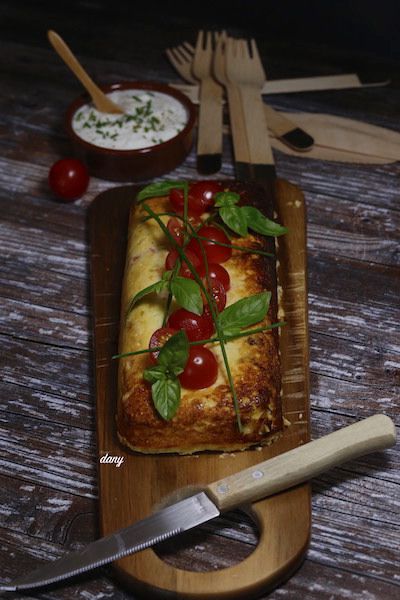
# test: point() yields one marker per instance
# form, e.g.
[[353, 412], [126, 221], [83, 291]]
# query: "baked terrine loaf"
[[206, 419]]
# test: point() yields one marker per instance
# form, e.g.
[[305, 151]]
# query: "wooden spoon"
[[100, 100]]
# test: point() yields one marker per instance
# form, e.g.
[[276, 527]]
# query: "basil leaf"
[[166, 394], [244, 312], [162, 188], [235, 218], [260, 224], [175, 352], [156, 373], [226, 199], [187, 294], [157, 287]]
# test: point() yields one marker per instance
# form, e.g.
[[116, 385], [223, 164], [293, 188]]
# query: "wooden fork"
[[181, 58], [209, 136], [245, 70], [236, 116]]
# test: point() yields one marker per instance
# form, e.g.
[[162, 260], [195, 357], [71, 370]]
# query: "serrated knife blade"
[[165, 523]]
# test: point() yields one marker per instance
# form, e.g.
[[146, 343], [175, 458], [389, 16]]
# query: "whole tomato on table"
[[68, 179]]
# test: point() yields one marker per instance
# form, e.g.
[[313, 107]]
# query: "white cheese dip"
[[149, 118]]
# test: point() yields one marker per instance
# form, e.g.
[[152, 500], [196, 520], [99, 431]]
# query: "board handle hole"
[[220, 543]]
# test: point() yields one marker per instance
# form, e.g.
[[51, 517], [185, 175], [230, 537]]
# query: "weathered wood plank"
[[342, 491], [362, 322], [357, 553], [376, 186], [352, 235], [46, 514], [38, 404], [347, 360], [60, 371], [352, 399], [27, 283], [35, 207], [48, 465], [28, 243], [40, 434], [315, 581], [44, 324], [352, 281]]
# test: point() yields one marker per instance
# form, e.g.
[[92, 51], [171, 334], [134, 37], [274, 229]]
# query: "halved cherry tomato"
[[201, 369], [202, 194], [184, 271], [197, 327], [218, 293], [175, 227], [158, 338], [217, 272], [176, 197], [214, 253]]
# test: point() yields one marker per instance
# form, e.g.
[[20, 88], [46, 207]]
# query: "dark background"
[[353, 27]]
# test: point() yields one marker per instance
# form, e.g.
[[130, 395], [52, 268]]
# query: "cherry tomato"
[[194, 221], [214, 252], [158, 338], [202, 194], [175, 227], [68, 179], [177, 199], [200, 197], [218, 293], [217, 272], [197, 327], [184, 271], [201, 369]]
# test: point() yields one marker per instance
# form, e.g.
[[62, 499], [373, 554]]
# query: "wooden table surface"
[[48, 481]]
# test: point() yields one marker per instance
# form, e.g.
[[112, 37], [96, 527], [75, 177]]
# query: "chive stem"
[[212, 340], [175, 270], [200, 237], [210, 303]]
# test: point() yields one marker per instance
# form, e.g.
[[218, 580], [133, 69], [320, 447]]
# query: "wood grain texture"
[[353, 261]]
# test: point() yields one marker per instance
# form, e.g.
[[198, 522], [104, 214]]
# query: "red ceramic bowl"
[[140, 164]]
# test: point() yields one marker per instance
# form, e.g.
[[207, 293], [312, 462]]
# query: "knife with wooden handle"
[[287, 131], [302, 84], [260, 481]]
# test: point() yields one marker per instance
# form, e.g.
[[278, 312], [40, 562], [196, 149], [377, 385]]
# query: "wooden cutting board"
[[133, 490]]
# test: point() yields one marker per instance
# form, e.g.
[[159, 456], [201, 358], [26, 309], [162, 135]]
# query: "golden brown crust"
[[205, 419]]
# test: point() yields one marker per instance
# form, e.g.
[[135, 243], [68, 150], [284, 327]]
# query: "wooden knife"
[[303, 84]]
